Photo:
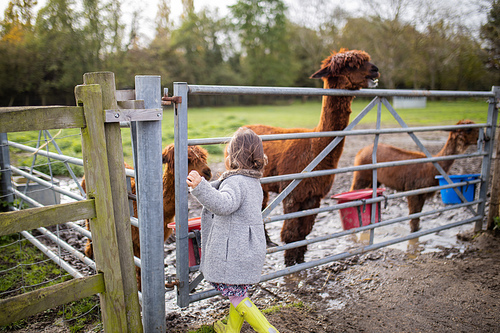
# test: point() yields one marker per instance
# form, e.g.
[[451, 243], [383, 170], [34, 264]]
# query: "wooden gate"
[[106, 206]]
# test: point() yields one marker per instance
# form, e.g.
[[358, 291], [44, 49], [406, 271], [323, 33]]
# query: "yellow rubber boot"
[[254, 317], [234, 322]]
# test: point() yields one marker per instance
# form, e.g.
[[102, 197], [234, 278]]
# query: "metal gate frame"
[[139, 109], [485, 150]]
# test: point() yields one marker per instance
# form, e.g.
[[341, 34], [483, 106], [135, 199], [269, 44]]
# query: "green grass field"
[[223, 121], [20, 275]]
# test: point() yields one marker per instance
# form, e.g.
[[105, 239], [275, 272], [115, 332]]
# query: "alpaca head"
[[464, 137], [348, 70], [197, 160]]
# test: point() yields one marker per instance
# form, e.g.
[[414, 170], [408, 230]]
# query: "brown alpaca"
[[197, 160], [343, 70], [413, 176]]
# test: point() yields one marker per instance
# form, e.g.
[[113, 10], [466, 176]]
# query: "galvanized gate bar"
[[317, 160], [365, 249], [340, 256], [77, 254], [71, 225], [318, 239], [425, 151], [51, 255], [150, 207], [368, 227], [374, 171], [291, 176], [71, 173], [29, 176], [377, 199], [181, 193], [360, 229], [59, 157], [74, 252], [81, 230], [309, 135], [250, 90]]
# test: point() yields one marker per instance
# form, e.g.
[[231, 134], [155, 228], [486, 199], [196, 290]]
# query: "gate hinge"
[[171, 284], [165, 100]]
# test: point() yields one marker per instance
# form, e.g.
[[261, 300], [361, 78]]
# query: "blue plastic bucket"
[[449, 196]]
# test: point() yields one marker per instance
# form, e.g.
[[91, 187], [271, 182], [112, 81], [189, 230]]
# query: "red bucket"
[[355, 217], [193, 224]]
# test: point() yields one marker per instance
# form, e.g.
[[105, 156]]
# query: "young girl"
[[233, 246]]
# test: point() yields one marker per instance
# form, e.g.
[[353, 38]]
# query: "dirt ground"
[[388, 291], [453, 289], [383, 291]]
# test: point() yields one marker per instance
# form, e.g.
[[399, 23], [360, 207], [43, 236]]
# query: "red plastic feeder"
[[193, 224], [355, 217]]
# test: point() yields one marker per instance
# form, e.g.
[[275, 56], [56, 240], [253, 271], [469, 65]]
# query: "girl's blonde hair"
[[245, 151]]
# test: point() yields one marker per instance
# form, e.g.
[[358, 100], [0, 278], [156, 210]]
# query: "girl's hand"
[[193, 179]]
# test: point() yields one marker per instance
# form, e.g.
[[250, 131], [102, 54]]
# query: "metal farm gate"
[[114, 279], [140, 110], [182, 91]]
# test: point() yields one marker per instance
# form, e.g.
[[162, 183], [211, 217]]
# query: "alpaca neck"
[[335, 111], [168, 195], [450, 148]]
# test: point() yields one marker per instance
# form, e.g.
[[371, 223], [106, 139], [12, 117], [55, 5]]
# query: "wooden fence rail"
[[106, 208]]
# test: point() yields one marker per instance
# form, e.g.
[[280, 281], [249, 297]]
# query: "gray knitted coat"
[[233, 243]]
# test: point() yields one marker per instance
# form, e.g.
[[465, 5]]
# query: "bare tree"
[[389, 9], [163, 20], [188, 7]]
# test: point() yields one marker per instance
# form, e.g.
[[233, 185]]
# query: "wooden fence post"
[[117, 314], [119, 194]]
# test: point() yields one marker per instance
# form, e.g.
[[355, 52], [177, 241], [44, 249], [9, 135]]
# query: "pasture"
[[223, 121]]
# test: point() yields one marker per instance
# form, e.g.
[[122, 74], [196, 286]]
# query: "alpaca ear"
[[323, 72], [168, 156]]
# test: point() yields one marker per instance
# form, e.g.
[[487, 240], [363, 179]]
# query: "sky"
[[467, 9], [149, 8]]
